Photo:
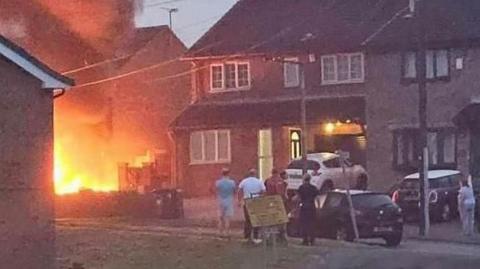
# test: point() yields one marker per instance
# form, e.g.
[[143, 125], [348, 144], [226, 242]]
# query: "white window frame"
[[291, 61], [433, 66], [237, 87], [211, 76], [217, 158], [335, 60]]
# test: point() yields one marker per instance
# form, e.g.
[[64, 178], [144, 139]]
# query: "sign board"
[[266, 211]]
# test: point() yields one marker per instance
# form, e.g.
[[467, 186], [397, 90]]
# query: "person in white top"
[[466, 207], [250, 187]]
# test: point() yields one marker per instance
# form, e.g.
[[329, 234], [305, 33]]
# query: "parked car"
[[443, 192], [376, 215], [326, 171]]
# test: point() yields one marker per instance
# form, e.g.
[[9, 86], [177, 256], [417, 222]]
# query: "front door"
[[265, 153]]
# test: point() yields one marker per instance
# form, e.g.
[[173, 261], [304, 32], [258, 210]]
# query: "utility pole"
[[170, 11], [353, 219], [303, 118], [421, 68]]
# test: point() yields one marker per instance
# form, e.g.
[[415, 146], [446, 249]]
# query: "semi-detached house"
[[356, 62], [453, 109], [247, 87]]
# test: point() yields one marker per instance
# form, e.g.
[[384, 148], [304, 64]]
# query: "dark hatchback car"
[[376, 215], [443, 192]]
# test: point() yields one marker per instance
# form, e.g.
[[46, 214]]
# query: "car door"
[[328, 214]]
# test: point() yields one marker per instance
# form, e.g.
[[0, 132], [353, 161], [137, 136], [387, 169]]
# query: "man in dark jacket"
[[308, 212]]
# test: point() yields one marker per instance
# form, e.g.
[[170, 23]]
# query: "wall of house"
[[392, 105], [268, 77], [145, 104], [26, 167], [198, 179]]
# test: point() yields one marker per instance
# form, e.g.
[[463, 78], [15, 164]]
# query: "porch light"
[[329, 128]]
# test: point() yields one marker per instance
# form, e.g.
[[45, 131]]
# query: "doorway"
[[265, 153]]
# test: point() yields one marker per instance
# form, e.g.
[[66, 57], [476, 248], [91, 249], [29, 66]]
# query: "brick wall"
[[197, 179], [144, 105], [268, 76], [26, 167], [391, 105]]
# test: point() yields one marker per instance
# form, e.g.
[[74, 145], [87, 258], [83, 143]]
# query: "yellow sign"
[[266, 211]]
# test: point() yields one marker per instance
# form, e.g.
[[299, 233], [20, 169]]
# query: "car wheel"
[[343, 234], [445, 213], [393, 240]]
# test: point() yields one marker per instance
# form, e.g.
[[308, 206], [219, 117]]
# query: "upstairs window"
[[291, 73], [437, 64], [229, 76], [343, 68]]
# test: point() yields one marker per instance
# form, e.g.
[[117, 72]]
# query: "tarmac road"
[[411, 254]]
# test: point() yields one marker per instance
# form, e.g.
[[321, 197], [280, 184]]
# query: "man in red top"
[[275, 185]]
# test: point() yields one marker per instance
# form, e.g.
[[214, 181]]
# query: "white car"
[[326, 171]]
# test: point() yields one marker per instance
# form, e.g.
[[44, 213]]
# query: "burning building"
[[125, 95]]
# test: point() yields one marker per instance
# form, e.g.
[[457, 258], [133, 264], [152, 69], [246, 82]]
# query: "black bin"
[[169, 203]]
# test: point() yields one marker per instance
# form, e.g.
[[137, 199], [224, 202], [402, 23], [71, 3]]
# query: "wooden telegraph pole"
[[303, 112], [419, 12]]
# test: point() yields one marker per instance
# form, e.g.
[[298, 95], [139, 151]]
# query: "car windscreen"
[[370, 200], [298, 164]]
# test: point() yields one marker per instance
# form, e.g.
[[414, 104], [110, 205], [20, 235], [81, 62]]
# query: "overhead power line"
[[246, 51]]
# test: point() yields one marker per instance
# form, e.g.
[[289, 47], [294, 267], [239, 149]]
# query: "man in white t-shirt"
[[250, 187]]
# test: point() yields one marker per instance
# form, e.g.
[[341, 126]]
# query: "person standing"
[[250, 187], [307, 194], [276, 185], [225, 189], [466, 207]]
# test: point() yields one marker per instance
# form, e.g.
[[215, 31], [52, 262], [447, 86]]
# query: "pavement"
[[442, 232], [203, 211]]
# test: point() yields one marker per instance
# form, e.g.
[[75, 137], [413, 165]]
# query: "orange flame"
[[70, 180]]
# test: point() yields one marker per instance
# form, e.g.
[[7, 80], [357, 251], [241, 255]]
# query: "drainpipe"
[[173, 159]]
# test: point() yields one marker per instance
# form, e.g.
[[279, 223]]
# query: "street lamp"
[[170, 11]]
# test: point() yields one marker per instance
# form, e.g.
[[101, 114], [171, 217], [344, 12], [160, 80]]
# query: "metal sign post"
[[267, 213], [353, 218], [426, 188]]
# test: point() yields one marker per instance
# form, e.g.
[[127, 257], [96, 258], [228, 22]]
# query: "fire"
[[82, 160], [70, 180]]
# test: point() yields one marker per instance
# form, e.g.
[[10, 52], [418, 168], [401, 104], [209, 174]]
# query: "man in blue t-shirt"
[[225, 188]]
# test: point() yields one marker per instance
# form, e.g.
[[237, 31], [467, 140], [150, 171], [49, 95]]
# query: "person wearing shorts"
[[225, 189]]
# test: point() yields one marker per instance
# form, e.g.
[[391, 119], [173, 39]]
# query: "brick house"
[[26, 179], [453, 61], [246, 107], [144, 104]]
